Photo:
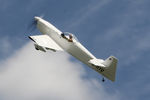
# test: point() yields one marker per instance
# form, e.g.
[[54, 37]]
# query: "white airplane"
[[55, 40]]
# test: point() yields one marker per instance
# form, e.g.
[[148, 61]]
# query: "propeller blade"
[[32, 26]]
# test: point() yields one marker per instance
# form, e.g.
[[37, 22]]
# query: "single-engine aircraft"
[[55, 40]]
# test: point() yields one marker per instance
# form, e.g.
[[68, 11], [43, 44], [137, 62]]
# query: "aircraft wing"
[[43, 42]]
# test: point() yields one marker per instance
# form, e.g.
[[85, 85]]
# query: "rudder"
[[111, 65]]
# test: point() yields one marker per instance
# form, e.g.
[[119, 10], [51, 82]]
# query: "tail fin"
[[111, 64]]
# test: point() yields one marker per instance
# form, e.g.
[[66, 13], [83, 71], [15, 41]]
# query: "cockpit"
[[69, 36]]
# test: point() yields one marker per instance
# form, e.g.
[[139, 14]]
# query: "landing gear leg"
[[103, 80], [36, 48]]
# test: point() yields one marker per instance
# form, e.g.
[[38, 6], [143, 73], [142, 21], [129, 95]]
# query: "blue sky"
[[104, 27]]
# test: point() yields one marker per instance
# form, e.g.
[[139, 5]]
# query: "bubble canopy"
[[67, 34]]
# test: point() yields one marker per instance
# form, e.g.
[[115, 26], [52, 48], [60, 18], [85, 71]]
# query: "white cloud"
[[33, 75]]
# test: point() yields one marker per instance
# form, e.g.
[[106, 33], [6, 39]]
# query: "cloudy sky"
[[104, 27]]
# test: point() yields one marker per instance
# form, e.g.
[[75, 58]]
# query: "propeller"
[[32, 25]]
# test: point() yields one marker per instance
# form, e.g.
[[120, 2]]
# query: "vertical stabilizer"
[[111, 64]]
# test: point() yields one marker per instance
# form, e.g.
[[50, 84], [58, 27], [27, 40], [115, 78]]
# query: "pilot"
[[63, 35], [70, 38]]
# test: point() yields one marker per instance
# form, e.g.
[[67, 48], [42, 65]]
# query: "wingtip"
[[31, 38]]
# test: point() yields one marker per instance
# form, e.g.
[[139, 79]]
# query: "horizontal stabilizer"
[[97, 62]]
